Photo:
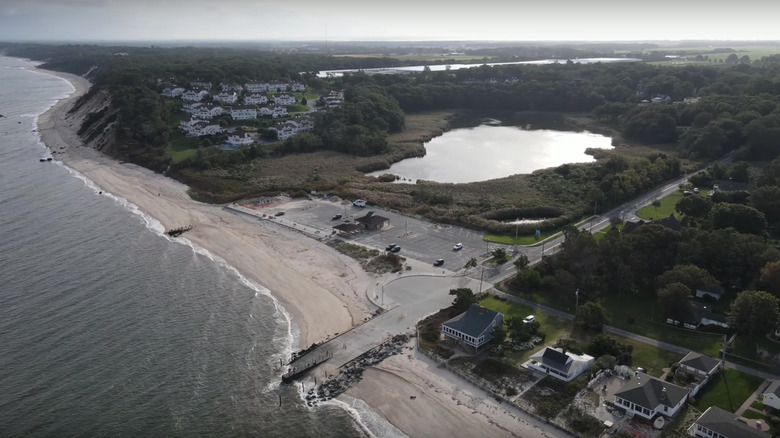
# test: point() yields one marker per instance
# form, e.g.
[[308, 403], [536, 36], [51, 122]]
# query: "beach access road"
[[409, 298]]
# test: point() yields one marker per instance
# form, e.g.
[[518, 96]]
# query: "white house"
[[194, 95], [298, 87], [285, 130], [199, 128], [201, 84], [231, 87], [256, 87], [243, 113], [284, 99], [277, 87], [771, 396], [305, 124], [240, 138], [207, 111], [191, 107], [333, 99], [717, 423], [472, 328], [563, 366], [171, 92], [256, 99], [704, 367], [277, 111], [646, 397], [226, 96]]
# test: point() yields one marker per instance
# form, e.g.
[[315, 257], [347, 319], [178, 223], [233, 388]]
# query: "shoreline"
[[323, 292]]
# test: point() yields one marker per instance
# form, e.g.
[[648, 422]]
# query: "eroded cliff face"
[[95, 120]]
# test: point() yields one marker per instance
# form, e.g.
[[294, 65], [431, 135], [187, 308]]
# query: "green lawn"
[[297, 108], [728, 390], [651, 358], [181, 147], [666, 207], [528, 239]]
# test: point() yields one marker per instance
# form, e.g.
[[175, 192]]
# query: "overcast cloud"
[[605, 20]]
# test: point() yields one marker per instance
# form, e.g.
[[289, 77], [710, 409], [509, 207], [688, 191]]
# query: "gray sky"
[[517, 20]]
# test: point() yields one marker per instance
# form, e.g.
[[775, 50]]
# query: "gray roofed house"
[[771, 395], [647, 397], [372, 221], [699, 364], [715, 422], [563, 366], [473, 328], [347, 228]]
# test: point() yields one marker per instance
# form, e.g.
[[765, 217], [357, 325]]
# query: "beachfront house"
[[243, 113], [256, 99], [231, 87], [717, 423], [284, 99], [647, 397], [278, 111], [201, 84], [298, 87], [304, 124], [771, 395], [565, 366], [473, 328]]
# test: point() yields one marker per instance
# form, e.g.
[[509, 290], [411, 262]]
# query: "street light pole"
[[480, 279], [577, 303]]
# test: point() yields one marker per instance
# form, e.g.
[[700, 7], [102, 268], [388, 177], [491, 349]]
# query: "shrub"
[[511, 392]]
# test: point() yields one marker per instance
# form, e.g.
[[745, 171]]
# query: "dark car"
[[438, 262], [395, 249], [390, 247], [336, 217], [280, 213]]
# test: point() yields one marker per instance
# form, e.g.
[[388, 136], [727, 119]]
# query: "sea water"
[[110, 328]]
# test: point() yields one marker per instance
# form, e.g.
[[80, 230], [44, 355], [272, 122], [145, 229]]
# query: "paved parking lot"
[[418, 239]]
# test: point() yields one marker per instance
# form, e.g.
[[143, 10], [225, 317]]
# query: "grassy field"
[[663, 210], [529, 239], [653, 359], [728, 390]]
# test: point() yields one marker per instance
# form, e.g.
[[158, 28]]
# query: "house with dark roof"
[[647, 397], [701, 366], [717, 423], [729, 186], [771, 395], [715, 292], [562, 365], [372, 221], [346, 229], [472, 328], [670, 222]]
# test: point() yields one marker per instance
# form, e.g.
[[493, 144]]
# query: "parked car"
[[687, 193], [390, 247], [359, 203], [336, 217], [696, 190], [438, 262], [529, 319], [279, 213], [457, 247], [395, 249]]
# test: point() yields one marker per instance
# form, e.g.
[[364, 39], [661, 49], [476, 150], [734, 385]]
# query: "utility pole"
[[480, 279]]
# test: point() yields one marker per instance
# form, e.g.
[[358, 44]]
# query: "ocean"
[[108, 328]]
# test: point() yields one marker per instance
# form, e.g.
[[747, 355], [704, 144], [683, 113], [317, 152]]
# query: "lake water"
[[488, 152]]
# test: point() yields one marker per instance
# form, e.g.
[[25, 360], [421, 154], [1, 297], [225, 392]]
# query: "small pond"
[[489, 151]]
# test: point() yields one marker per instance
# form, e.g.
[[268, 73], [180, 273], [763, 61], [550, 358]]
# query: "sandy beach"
[[323, 290]]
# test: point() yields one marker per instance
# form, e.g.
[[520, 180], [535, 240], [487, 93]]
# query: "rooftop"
[[726, 424], [474, 321]]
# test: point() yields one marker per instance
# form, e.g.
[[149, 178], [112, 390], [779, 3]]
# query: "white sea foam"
[[371, 423]]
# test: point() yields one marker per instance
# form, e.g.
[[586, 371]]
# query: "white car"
[[529, 319], [359, 203], [457, 246]]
